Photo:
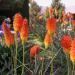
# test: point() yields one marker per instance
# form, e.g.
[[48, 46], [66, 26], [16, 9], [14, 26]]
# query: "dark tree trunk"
[[26, 8]]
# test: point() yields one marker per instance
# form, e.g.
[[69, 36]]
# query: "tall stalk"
[[67, 58], [16, 54], [23, 61], [42, 66], [73, 69], [12, 58], [51, 71], [35, 65]]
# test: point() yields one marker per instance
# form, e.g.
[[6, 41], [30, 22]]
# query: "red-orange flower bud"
[[34, 50]]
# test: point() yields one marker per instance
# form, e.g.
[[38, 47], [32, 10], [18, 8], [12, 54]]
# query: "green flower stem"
[[73, 69], [51, 71], [23, 61], [42, 66], [67, 58], [35, 65], [16, 54], [12, 58]]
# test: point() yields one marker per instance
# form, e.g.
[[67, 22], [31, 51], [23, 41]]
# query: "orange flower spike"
[[66, 43], [48, 40], [17, 22], [34, 50], [72, 55], [24, 31], [73, 43], [72, 51], [9, 39], [51, 25]]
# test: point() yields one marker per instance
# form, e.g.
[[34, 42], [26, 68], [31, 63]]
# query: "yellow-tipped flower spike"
[[72, 51], [24, 31], [48, 40]]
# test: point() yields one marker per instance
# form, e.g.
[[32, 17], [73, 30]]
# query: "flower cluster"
[[20, 25], [54, 25]]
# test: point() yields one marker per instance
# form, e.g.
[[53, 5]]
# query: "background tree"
[[58, 7], [57, 4], [34, 10]]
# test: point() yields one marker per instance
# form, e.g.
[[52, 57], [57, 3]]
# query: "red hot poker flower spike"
[[24, 31], [66, 43], [9, 39], [17, 22], [51, 25], [72, 51]]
